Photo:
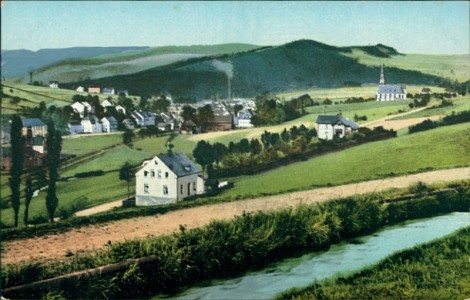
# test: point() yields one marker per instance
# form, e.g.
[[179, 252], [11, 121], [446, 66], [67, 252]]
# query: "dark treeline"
[[227, 248], [454, 118]]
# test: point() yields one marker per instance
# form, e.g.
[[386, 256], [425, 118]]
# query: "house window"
[[166, 174], [165, 190], [181, 189], [152, 173], [146, 173], [159, 173], [146, 188], [194, 187], [156, 163]]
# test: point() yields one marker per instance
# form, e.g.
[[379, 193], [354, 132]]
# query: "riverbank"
[[225, 248]]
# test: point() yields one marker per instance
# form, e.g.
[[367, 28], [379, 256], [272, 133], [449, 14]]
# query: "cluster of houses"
[[224, 117]]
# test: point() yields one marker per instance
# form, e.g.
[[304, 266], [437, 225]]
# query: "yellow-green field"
[[455, 67], [347, 92], [35, 94]]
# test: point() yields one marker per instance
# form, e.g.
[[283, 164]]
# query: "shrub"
[[90, 174], [423, 126]]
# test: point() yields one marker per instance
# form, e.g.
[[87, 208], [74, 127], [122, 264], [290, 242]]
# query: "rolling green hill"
[[76, 69], [293, 66]]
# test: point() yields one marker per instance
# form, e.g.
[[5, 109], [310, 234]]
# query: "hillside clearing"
[[90, 238]]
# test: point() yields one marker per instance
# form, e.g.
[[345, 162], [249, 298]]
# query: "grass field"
[[347, 92], [460, 104], [35, 94], [456, 67], [410, 153], [84, 144]]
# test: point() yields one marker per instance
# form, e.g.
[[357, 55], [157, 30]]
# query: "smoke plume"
[[225, 67]]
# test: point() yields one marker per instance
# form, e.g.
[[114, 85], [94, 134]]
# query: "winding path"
[[89, 238]]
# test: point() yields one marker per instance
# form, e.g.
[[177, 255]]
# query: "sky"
[[427, 27]]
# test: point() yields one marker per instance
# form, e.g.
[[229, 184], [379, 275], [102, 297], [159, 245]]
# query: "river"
[[343, 258]]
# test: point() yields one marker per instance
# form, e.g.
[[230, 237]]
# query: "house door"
[[189, 189]]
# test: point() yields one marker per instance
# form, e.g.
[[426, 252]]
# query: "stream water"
[[339, 259]]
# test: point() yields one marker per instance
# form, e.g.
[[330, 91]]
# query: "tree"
[[126, 173], [237, 108], [188, 113], [29, 191], [204, 154], [54, 147], [127, 136], [17, 158], [255, 146], [243, 146], [205, 115], [220, 150]]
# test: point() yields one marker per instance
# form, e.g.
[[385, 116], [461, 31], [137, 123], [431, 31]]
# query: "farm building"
[[335, 126], [36, 125], [387, 92], [94, 90], [108, 91], [54, 84], [244, 119], [167, 178]]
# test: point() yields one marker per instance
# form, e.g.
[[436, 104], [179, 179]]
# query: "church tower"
[[382, 77]]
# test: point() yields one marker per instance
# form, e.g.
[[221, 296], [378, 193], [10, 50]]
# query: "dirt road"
[[91, 238]]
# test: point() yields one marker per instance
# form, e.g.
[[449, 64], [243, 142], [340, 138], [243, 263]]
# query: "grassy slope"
[[35, 94], [346, 92], [456, 67], [401, 155], [110, 188], [435, 270], [129, 62], [460, 104]]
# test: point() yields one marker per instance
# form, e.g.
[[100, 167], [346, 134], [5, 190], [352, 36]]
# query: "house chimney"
[[229, 89]]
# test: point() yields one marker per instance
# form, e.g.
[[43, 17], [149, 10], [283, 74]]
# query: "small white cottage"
[[167, 178], [331, 126]]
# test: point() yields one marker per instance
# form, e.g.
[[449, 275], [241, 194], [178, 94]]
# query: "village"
[[234, 150]]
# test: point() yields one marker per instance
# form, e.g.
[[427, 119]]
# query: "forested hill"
[[296, 65]]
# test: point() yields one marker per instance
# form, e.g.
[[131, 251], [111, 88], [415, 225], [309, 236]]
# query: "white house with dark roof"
[[244, 119], [81, 107], [109, 124], [143, 118], [167, 178], [331, 126], [387, 92], [91, 124]]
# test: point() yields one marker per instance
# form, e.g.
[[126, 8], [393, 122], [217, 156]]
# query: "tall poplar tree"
[[17, 158], [54, 147]]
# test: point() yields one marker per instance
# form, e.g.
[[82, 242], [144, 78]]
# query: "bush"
[[423, 126], [89, 174]]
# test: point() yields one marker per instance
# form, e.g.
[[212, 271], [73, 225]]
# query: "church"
[[389, 92]]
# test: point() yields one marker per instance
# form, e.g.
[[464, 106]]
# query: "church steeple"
[[382, 77]]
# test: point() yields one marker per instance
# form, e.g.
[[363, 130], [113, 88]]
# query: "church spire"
[[382, 77]]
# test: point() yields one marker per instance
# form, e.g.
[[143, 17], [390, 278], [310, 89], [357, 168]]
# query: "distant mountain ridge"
[[19, 62], [296, 65]]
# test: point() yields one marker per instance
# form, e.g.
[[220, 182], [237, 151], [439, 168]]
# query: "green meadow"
[[460, 104], [343, 93], [83, 144], [444, 147], [455, 67]]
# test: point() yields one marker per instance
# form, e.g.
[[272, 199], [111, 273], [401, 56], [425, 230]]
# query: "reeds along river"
[[339, 259]]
